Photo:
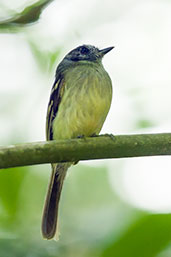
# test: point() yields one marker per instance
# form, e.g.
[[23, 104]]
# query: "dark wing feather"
[[53, 106]]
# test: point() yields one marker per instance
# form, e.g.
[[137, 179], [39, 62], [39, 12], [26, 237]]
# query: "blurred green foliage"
[[30, 14], [145, 238], [93, 220], [46, 60]]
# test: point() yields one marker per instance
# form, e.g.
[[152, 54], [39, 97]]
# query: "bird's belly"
[[87, 122], [83, 108], [76, 118]]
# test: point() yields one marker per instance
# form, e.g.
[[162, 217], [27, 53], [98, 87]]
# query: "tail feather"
[[50, 214]]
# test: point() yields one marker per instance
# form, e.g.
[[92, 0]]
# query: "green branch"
[[101, 147], [29, 15]]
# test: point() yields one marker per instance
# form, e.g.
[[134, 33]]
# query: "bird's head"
[[87, 53]]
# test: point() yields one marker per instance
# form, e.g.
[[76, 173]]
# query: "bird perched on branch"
[[79, 103]]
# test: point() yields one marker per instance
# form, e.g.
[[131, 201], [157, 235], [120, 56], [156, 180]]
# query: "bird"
[[79, 102]]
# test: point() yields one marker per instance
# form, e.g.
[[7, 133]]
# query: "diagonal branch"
[[101, 147], [29, 15]]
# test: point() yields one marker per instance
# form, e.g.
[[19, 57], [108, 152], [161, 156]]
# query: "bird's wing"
[[54, 102]]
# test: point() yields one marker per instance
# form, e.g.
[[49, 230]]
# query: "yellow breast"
[[85, 103]]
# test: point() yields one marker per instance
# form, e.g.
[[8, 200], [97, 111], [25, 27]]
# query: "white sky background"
[[140, 68]]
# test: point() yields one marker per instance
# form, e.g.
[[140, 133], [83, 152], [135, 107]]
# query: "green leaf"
[[46, 60], [10, 185], [145, 238]]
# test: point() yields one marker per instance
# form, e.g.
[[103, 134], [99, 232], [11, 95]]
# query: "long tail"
[[50, 213]]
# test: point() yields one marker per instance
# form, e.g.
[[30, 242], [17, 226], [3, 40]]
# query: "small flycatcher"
[[79, 103]]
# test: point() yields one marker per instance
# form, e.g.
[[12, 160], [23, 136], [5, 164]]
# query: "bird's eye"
[[84, 50]]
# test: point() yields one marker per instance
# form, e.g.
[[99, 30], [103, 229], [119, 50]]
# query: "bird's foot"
[[94, 135], [82, 137], [109, 135]]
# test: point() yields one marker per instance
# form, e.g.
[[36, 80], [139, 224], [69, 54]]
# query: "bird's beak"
[[105, 51]]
